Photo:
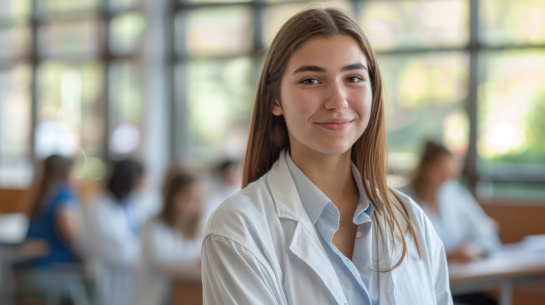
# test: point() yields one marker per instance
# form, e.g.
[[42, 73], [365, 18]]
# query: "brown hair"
[[176, 181], [268, 133], [55, 169], [431, 153]]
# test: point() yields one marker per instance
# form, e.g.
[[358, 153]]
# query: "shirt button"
[[359, 235]]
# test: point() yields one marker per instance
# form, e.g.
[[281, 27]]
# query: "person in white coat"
[[171, 242], [114, 221], [316, 222], [465, 229], [467, 233], [226, 183]]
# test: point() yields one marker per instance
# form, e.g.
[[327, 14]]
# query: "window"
[[58, 76], [467, 73], [472, 83]]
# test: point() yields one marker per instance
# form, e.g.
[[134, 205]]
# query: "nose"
[[335, 98]]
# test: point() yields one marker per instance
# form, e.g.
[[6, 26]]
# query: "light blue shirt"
[[354, 275]]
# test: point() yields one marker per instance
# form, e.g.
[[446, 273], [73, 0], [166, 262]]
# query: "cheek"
[[363, 101], [300, 104]]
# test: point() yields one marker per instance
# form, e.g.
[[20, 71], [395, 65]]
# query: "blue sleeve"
[[65, 197]]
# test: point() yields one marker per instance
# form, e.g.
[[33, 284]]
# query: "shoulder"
[[244, 216], [154, 226], [103, 208], [420, 221], [454, 190], [62, 194], [415, 211]]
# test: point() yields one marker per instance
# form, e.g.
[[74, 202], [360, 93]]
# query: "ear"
[[276, 108]]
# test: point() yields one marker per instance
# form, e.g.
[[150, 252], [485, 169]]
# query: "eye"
[[354, 79], [309, 81]]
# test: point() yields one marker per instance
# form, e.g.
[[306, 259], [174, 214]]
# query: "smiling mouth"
[[335, 125]]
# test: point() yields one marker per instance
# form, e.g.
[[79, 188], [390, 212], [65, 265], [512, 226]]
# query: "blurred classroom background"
[[172, 82]]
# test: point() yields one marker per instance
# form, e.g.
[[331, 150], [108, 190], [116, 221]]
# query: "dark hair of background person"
[[55, 168], [431, 153], [226, 164], [269, 134], [176, 182], [124, 178]]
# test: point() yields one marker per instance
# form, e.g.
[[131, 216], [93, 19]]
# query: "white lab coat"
[[460, 220], [261, 247], [115, 250], [164, 248]]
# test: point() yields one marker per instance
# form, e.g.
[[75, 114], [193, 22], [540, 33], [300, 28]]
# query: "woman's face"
[[325, 96], [440, 171], [188, 200]]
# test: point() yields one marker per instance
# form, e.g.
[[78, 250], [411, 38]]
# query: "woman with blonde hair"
[[316, 222]]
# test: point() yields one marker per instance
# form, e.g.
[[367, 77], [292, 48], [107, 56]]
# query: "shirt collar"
[[314, 200]]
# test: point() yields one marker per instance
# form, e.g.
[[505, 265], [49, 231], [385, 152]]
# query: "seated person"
[[466, 231], [115, 222], [54, 218], [172, 241], [226, 183]]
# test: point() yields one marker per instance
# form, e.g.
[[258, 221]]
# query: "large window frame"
[[103, 13], [473, 48]]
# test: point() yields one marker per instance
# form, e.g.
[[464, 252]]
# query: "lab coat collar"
[[307, 246], [305, 243]]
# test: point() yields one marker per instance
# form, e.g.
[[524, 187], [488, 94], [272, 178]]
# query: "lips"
[[335, 124]]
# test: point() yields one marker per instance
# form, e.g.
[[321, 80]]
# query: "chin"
[[335, 149]]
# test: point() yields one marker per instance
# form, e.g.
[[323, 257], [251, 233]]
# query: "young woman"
[[54, 218], [172, 241], [55, 211], [316, 222], [465, 229], [115, 221]]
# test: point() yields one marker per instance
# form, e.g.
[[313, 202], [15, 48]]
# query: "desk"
[[12, 254], [501, 269], [186, 293]]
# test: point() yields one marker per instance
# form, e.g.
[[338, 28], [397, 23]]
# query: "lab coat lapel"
[[305, 243], [306, 246]]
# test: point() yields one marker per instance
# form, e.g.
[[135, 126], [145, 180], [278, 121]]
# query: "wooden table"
[[501, 269], [12, 254], [186, 293]]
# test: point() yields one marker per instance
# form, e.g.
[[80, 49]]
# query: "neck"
[[331, 174]]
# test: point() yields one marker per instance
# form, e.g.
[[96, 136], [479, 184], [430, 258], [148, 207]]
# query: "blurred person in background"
[[227, 182], [465, 229], [467, 232], [115, 221], [172, 241], [55, 218]]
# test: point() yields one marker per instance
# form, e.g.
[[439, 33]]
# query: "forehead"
[[328, 51]]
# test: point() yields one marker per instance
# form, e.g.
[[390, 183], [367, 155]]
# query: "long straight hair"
[[268, 133], [178, 181]]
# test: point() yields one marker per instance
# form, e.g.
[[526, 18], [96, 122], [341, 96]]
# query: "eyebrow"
[[320, 69]]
